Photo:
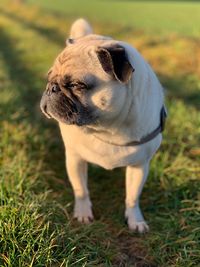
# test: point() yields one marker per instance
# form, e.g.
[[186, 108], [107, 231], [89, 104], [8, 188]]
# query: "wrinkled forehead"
[[79, 57]]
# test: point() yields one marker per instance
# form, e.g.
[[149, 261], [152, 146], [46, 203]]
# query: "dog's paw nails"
[[83, 211], [140, 227], [84, 219]]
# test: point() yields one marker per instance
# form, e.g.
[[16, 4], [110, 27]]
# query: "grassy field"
[[36, 200], [161, 16]]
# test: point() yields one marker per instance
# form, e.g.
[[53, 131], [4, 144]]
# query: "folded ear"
[[115, 62]]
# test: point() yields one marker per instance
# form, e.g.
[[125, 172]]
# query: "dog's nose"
[[53, 88]]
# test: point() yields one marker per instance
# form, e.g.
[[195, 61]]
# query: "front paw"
[[135, 220], [83, 210], [140, 227]]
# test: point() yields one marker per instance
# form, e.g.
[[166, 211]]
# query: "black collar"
[[150, 136]]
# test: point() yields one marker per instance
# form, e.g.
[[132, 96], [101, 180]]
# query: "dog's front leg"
[[77, 172], [135, 179]]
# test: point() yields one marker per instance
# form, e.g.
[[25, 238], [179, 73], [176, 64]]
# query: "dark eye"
[[73, 85], [76, 86]]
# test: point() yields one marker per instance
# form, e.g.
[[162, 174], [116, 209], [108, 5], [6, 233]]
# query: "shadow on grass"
[[51, 34], [28, 86], [22, 78], [185, 88]]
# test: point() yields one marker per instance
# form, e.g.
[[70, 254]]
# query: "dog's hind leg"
[[135, 179], [77, 173]]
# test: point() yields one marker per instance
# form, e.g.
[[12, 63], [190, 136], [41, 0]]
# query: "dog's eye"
[[75, 86]]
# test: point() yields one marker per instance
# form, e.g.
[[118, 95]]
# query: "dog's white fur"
[[140, 116]]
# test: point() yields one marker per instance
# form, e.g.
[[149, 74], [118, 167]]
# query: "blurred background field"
[[36, 200], [162, 17]]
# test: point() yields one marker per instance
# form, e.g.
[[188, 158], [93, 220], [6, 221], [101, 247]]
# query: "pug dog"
[[109, 106]]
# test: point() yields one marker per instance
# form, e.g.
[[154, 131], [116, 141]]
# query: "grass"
[[36, 226], [162, 17]]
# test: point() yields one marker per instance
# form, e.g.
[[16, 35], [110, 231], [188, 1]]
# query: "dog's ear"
[[114, 61], [79, 28]]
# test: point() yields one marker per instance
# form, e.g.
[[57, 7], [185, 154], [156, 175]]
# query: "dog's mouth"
[[44, 111], [66, 110]]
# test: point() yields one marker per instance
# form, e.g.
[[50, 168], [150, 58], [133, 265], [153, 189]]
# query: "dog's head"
[[87, 82]]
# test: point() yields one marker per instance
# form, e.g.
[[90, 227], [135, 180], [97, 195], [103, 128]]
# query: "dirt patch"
[[132, 252]]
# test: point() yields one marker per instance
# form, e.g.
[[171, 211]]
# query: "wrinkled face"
[[84, 86]]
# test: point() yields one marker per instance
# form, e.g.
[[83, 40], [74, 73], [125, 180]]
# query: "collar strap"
[[150, 136]]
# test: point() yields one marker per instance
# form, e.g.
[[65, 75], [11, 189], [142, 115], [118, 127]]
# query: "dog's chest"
[[105, 155], [108, 156]]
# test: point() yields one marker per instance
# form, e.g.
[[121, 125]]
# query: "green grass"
[[153, 17], [36, 201]]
